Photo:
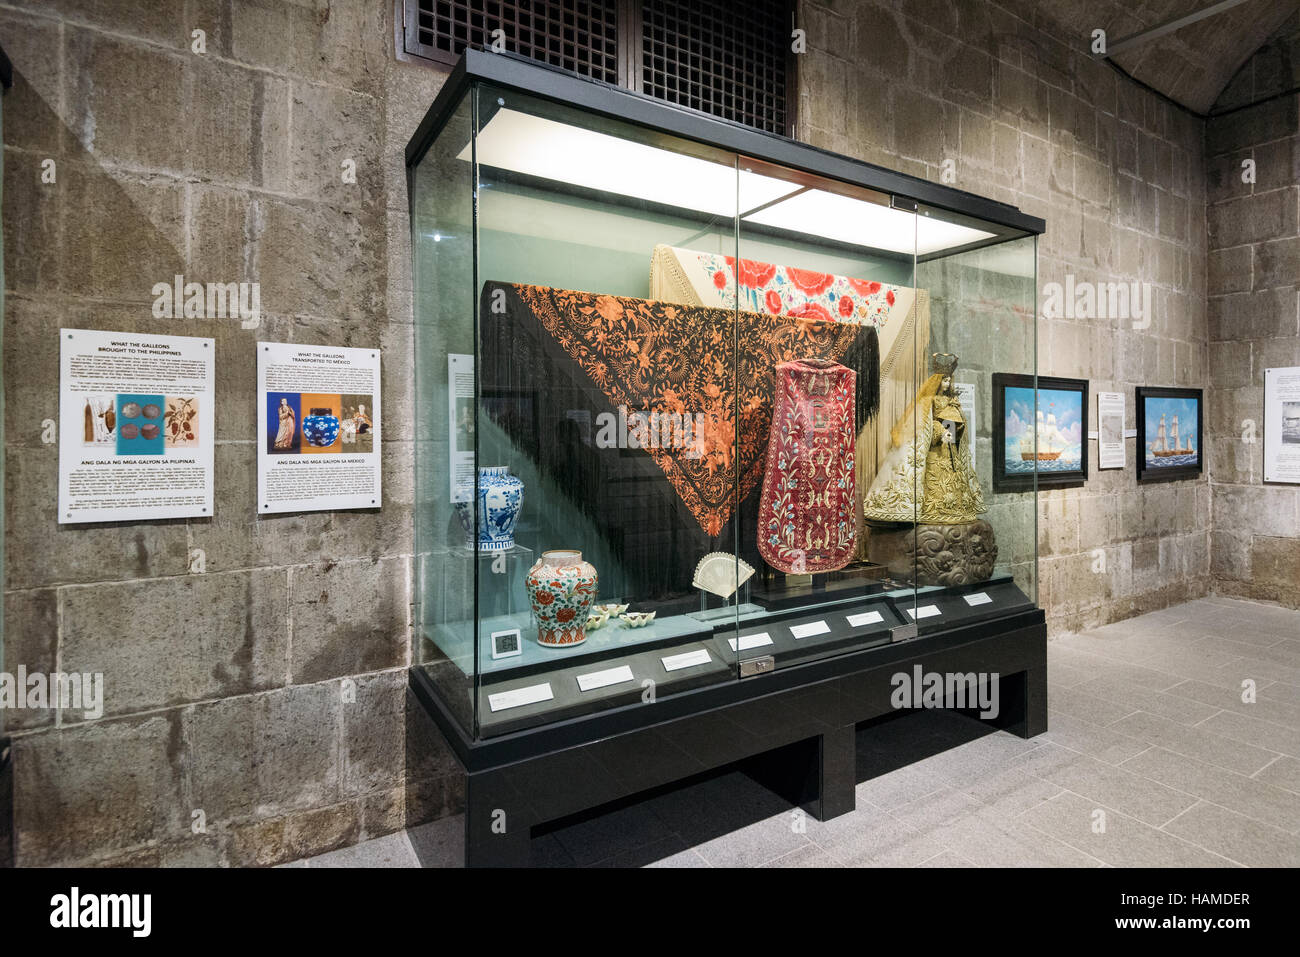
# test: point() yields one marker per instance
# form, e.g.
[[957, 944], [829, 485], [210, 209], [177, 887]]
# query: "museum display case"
[[703, 414]]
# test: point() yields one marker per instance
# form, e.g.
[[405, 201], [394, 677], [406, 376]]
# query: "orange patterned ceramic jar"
[[561, 587]]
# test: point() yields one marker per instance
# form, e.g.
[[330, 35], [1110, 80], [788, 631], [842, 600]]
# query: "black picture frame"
[[1168, 473], [1004, 481]]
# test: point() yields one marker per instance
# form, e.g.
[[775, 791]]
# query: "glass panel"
[[682, 411], [825, 279], [442, 238], [607, 407], [977, 540]]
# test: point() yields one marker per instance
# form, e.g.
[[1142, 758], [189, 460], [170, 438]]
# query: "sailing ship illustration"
[[1049, 440], [1165, 446]]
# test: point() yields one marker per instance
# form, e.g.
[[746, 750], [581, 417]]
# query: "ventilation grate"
[[722, 58], [581, 37], [729, 59]]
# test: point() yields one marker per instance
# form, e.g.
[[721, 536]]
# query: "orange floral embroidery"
[[716, 366]]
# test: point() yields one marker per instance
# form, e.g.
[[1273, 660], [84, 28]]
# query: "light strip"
[[535, 146], [859, 223], [547, 149]]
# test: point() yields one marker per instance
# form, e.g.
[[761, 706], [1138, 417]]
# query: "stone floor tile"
[[1236, 837], [1108, 743], [1124, 841], [1125, 791], [1195, 742], [1254, 731], [1249, 796], [1121, 694], [1282, 773]]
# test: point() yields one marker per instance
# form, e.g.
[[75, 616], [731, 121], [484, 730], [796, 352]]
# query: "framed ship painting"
[[1170, 424], [1047, 439]]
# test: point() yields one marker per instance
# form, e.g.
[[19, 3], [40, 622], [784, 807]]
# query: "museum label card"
[[750, 641], [136, 415], [461, 393], [1282, 425], [810, 629], [865, 618], [503, 700], [1110, 432], [979, 598], [687, 659], [966, 401], [318, 428], [603, 679], [924, 611]]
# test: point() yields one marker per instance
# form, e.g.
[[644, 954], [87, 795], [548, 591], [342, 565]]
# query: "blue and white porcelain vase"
[[321, 428], [500, 496]]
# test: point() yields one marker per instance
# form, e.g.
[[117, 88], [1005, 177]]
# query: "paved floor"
[[1152, 759]]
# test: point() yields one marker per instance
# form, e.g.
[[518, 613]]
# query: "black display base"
[[6, 804], [801, 719]]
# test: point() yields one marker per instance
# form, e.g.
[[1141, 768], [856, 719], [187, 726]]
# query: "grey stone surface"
[[170, 641], [222, 166], [81, 793], [272, 752], [343, 615], [225, 166], [1254, 310]]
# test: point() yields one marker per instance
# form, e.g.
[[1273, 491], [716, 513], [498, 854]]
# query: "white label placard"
[[136, 415], [810, 629], [966, 400], [1110, 432], [979, 598], [865, 618], [924, 611], [687, 659], [603, 679], [1130, 433], [460, 424], [750, 641], [520, 697], [1282, 425], [318, 428]]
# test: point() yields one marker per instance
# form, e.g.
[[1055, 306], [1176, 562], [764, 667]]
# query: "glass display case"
[[695, 405]]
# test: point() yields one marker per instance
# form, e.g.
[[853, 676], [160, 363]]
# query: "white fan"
[[721, 574]]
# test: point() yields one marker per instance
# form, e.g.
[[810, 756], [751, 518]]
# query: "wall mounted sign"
[[1282, 425], [135, 426], [318, 428], [1110, 430]]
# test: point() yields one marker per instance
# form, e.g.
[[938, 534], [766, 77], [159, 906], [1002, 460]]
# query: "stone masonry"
[[1254, 319], [1010, 103], [256, 706], [255, 667]]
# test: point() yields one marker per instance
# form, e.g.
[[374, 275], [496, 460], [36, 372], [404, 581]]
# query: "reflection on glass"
[[686, 416]]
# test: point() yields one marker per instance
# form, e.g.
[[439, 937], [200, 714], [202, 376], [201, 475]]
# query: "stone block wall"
[[1254, 318], [1002, 100], [255, 667]]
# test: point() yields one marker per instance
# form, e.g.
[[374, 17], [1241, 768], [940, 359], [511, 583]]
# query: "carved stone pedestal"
[[942, 554]]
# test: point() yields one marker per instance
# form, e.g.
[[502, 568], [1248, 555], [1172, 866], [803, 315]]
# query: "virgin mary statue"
[[927, 476]]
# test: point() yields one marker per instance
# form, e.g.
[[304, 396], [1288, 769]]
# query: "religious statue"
[[927, 476]]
